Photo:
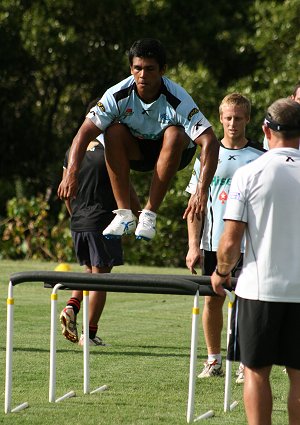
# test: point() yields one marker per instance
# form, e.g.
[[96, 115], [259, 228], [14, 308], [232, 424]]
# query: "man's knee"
[[175, 136]]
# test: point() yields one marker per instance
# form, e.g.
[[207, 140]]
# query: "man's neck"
[[230, 143]]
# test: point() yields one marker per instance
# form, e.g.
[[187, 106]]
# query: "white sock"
[[212, 357]]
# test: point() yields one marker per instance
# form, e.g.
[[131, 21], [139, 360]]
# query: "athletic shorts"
[[264, 333], [210, 263], [93, 249], [150, 150]]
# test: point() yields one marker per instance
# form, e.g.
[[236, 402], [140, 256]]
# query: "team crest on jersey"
[[128, 112], [193, 112], [101, 106]]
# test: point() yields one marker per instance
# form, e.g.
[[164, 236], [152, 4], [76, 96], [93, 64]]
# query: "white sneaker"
[[124, 223], [92, 342], [240, 374], [211, 369], [146, 225]]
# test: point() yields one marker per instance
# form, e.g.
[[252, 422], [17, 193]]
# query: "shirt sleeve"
[[191, 118], [104, 112]]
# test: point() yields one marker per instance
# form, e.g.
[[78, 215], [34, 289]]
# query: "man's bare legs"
[[258, 396], [212, 321], [174, 142], [121, 147], [294, 396], [97, 299]]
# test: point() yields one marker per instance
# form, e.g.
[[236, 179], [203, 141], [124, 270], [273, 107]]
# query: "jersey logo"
[[101, 106], [198, 124], [289, 158], [193, 112], [232, 157], [128, 112], [146, 111], [223, 197]]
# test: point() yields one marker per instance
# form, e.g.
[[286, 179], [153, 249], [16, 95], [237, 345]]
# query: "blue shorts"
[[93, 249], [264, 333]]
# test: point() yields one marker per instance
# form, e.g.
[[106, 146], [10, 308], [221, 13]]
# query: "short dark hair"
[[283, 116], [148, 48]]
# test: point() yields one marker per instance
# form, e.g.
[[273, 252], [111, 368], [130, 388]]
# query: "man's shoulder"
[[175, 88], [125, 84]]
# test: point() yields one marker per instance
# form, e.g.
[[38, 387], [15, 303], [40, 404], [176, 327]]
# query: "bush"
[[30, 232]]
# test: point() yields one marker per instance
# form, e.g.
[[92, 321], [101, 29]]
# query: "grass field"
[[146, 366]]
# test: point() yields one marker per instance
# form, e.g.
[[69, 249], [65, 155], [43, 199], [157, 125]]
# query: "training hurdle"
[[121, 282]]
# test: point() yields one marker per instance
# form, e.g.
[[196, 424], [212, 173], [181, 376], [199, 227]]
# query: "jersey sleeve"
[[236, 202], [192, 186], [191, 118], [104, 112]]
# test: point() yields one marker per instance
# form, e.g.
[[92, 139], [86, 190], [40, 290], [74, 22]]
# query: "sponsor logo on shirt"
[[223, 196], [193, 112], [164, 119], [101, 106], [218, 181], [128, 112], [235, 195], [198, 124]]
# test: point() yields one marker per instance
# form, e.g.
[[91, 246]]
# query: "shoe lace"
[[147, 221]]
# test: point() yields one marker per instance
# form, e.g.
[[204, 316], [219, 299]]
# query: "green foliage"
[[29, 231], [58, 55]]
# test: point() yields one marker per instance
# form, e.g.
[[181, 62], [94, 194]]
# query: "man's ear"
[[267, 131], [163, 70]]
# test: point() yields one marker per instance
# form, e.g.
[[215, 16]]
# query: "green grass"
[[146, 367]]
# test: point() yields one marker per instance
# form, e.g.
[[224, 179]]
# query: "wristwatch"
[[220, 274]]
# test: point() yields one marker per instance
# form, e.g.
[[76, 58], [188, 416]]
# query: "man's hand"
[[194, 258], [68, 186], [218, 281], [196, 206]]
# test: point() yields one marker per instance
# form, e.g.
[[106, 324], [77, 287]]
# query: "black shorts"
[[93, 249], [210, 263], [150, 150], [264, 333]]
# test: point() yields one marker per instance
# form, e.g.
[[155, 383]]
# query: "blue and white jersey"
[[173, 106], [229, 161]]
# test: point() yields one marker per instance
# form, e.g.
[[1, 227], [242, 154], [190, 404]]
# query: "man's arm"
[[87, 132], [194, 257], [229, 251], [208, 165]]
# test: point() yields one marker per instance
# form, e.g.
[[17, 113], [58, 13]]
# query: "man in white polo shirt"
[[263, 203]]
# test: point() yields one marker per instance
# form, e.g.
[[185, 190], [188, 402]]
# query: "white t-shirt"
[[229, 161], [174, 106], [266, 195]]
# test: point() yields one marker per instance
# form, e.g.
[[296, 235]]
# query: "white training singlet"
[[266, 195]]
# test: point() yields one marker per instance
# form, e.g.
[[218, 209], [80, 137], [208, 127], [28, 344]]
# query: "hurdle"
[[121, 282], [228, 406]]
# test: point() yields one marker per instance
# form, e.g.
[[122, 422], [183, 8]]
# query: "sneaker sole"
[[142, 238], [68, 335]]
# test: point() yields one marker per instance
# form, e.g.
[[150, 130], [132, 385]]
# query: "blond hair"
[[236, 99]]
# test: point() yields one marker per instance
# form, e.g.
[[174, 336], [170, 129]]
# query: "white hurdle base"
[[20, 407], [64, 397]]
